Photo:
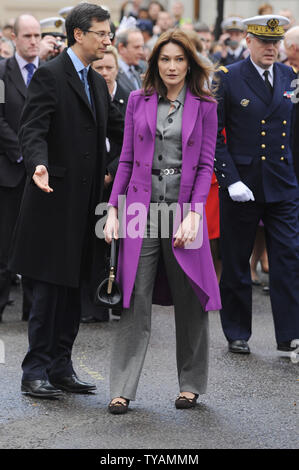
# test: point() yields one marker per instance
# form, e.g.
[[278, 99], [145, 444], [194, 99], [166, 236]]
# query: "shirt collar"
[[181, 96], [22, 62], [236, 52], [76, 61], [123, 65], [114, 90], [261, 71]]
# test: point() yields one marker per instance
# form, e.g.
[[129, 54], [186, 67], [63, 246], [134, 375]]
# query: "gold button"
[[284, 122], [263, 157], [283, 134], [281, 158], [282, 147], [263, 146], [263, 133], [263, 122]]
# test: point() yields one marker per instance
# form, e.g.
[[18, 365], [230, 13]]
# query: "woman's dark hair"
[[81, 17], [199, 73]]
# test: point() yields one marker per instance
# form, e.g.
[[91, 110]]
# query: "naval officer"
[[257, 181]]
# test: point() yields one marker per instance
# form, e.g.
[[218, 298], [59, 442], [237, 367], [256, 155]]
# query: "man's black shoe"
[[73, 385], [239, 346], [285, 346], [40, 388], [91, 319]]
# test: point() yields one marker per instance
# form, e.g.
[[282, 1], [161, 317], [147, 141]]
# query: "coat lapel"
[[16, 76], [75, 82], [255, 81], [190, 114], [151, 109], [278, 89]]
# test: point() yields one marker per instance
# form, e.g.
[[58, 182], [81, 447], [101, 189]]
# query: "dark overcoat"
[[59, 129]]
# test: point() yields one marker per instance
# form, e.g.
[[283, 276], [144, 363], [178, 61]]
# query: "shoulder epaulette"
[[224, 69], [294, 69]]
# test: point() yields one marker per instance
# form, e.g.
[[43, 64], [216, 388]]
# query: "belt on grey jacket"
[[167, 171]]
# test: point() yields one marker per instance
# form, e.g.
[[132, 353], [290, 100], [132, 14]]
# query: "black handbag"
[[109, 294]]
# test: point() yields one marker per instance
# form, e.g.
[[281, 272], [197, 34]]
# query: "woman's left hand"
[[187, 230]]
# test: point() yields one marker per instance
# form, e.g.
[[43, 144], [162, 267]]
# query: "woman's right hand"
[[112, 225]]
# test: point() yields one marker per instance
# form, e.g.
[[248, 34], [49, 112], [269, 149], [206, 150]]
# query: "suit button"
[[263, 133], [170, 120], [283, 134], [282, 147], [190, 143], [160, 178], [134, 189], [137, 163], [160, 157], [263, 157], [284, 122], [86, 155], [84, 180], [263, 121], [281, 158], [161, 198], [263, 146]]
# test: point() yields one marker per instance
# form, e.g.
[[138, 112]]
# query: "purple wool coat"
[[133, 179]]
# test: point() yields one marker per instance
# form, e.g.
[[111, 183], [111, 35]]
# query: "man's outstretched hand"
[[41, 178]]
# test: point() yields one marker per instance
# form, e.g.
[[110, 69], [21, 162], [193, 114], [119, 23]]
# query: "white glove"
[[240, 192]]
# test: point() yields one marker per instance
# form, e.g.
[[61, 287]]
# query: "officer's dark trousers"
[[238, 225], [52, 329], [10, 200]]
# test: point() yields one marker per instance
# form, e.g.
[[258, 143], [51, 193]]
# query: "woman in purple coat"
[[164, 175]]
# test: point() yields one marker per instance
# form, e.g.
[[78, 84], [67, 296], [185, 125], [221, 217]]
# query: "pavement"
[[251, 402]]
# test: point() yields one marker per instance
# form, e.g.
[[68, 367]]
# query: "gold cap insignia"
[[58, 23], [272, 24], [245, 102]]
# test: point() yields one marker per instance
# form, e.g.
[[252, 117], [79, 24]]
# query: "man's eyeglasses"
[[101, 34]]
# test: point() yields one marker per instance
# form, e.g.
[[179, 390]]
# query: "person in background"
[[167, 158], [16, 72], [232, 49], [205, 35], [265, 9], [7, 48], [53, 37], [154, 8], [129, 44], [146, 27], [290, 16], [164, 22], [291, 44], [177, 11], [7, 31]]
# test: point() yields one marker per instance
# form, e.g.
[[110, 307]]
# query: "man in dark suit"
[[129, 44], [16, 73], [257, 180], [63, 130]]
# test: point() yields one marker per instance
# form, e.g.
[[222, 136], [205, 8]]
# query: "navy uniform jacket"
[[259, 131]]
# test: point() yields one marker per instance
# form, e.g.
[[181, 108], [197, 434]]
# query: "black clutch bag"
[[109, 294]]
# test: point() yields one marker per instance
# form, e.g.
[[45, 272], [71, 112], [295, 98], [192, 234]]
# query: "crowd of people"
[[94, 110]]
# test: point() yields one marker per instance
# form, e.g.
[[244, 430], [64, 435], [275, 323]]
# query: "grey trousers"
[[134, 328]]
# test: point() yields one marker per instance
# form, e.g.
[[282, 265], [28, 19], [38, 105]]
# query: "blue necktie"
[[83, 73], [31, 69]]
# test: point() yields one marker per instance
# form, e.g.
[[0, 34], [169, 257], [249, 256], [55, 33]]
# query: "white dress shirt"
[[261, 72]]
